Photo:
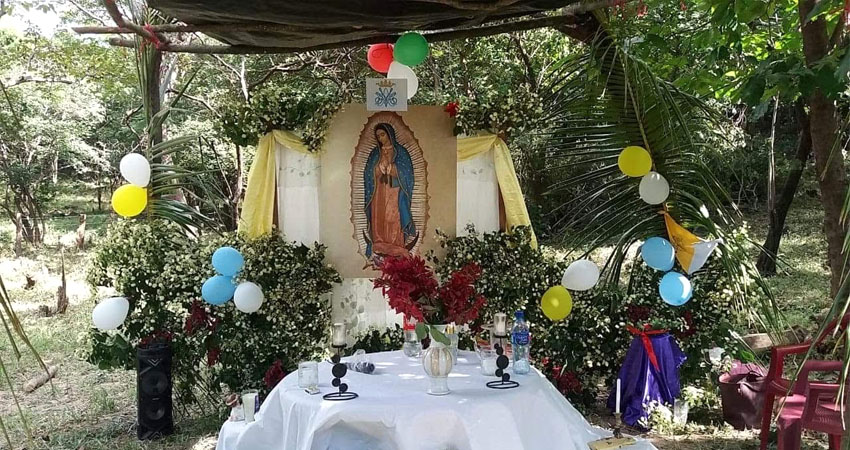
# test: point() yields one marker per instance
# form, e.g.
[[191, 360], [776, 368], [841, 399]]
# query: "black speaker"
[[153, 392]]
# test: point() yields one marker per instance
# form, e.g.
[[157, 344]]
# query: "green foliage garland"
[[278, 106]]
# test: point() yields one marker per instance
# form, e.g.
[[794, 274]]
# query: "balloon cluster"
[[657, 252], [131, 199], [557, 302], [218, 289], [396, 61], [635, 162]]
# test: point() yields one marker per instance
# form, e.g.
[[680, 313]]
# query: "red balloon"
[[380, 56]]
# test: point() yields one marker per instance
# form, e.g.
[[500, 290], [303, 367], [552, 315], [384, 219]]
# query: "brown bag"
[[742, 394]]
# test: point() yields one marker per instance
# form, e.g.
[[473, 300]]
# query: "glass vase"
[[437, 362]]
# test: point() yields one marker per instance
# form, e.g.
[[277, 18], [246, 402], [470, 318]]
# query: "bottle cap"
[[519, 315]]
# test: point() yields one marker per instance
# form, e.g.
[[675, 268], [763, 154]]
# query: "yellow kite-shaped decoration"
[[691, 251]]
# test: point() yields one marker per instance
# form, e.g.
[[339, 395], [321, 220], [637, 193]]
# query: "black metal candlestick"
[[502, 363], [339, 370]]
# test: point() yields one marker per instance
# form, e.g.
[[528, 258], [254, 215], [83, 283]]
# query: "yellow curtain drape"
[[257, 217], [516, 214]]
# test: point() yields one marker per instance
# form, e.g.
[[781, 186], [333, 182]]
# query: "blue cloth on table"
[[642, 383]]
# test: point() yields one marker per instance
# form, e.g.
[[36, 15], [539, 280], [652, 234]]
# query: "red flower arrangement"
[[411, 288]]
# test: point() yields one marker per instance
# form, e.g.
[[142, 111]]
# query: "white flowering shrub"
[[499, 111], [586, 350], [160, 270], [513, 275]]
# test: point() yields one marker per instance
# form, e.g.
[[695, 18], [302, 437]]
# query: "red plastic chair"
[[811, 407], [778, 386]]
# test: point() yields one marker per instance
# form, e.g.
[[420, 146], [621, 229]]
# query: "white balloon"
[[110, 313], [399, 70], [136, 169], [248, 297], [653, 188], [581, 275]]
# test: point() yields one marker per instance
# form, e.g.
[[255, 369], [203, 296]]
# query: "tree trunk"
[[823, 127], [153, 93], [766, 264]]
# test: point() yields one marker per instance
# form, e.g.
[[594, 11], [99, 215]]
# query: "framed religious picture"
[[388, 183], [389, 189]]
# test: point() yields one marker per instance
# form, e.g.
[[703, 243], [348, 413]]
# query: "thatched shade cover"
[[328, 23]]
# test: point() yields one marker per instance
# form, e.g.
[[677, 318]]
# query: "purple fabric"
[[642, 383]]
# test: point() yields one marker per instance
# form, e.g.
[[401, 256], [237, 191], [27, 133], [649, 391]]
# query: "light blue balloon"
[[658, 253], [675, 288], [218, 290], [227, 261]]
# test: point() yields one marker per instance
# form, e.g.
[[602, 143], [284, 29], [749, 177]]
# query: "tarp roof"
[[302, 25]]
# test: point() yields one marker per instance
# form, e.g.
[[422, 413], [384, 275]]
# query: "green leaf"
[[421, 330], [439, 336], [749, 10]]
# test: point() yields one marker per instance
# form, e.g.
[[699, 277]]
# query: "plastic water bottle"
[[520, 344]]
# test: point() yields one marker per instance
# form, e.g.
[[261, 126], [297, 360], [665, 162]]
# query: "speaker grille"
[[153, 391]]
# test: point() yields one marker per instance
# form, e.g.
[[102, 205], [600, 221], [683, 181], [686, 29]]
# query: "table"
[[394, 412]]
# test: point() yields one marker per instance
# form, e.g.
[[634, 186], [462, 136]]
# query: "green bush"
[[513, 275], [160, 270]]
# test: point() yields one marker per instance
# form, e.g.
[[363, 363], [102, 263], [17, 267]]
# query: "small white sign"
[[386, 94]]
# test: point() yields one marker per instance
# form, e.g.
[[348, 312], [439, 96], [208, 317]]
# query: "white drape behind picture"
[[298, 176], [477, 194]]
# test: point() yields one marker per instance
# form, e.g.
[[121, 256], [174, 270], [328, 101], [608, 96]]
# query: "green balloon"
[[410, 49]]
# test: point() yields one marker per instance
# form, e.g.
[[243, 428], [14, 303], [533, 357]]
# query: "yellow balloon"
[[129, 200], [557, 303], [635, 161]]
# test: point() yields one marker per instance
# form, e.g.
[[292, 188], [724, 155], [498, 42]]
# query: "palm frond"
[[601, 101]]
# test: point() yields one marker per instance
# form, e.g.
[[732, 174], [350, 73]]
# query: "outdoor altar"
[[377, 194]]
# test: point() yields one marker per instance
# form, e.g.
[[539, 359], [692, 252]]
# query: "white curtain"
[[298, 176], [477, 194]]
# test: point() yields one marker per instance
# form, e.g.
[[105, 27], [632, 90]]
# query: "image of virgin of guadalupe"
[[388, 183]]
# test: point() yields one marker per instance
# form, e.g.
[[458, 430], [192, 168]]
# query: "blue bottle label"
[[520, 337]]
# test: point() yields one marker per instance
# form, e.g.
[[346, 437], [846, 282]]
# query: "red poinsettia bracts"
[[403, 282], [460, 299], [411, 288]]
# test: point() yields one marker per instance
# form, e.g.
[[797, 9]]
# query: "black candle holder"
[[502, 363], [339, 370]]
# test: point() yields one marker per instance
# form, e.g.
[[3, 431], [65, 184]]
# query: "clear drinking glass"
[[308, 374], [412, 347], [488, 360]]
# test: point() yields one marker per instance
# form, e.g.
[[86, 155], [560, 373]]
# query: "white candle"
[[500, 321], [339, 334], [617, 405]]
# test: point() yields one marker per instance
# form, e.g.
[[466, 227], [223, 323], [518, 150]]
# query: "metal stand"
[[502, 364], [339, 370]]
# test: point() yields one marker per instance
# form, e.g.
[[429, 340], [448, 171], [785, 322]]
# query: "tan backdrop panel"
[[433, 130]]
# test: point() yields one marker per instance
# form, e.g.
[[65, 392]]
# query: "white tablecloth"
[[395, 412]]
